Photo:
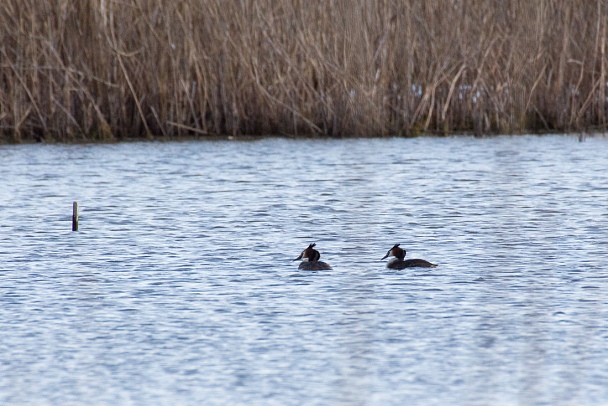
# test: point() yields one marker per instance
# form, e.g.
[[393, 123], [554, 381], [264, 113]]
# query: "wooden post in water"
[[75, 216]]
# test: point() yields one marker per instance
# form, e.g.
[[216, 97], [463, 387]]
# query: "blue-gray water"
[[180, 288]]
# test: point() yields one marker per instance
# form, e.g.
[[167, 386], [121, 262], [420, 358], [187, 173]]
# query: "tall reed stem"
[[110, 69]]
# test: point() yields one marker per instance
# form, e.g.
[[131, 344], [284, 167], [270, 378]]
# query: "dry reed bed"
[[74, 70]]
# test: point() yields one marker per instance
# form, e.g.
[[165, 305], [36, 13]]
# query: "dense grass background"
[[73, 70]]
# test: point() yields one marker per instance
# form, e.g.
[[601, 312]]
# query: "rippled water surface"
[[180, 288]]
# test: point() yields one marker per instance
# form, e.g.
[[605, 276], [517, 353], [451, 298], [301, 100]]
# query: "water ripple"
[[180, 287]]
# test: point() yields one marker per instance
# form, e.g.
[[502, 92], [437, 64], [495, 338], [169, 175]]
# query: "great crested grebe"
[[400, 263], [310, 260]]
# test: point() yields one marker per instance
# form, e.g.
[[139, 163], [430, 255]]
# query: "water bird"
[[400, 263], [310, 260]]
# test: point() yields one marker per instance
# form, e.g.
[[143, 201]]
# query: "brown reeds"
[[74, 70]]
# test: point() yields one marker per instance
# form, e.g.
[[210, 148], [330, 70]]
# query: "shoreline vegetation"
[[108, 70]]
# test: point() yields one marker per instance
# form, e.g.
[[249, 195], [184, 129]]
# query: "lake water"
[[180, 289]]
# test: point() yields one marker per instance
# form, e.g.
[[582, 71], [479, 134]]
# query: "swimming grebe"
[[400, 263], [310, 260]]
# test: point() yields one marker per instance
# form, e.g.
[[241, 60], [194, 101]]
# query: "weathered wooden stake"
[[75, 216]]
